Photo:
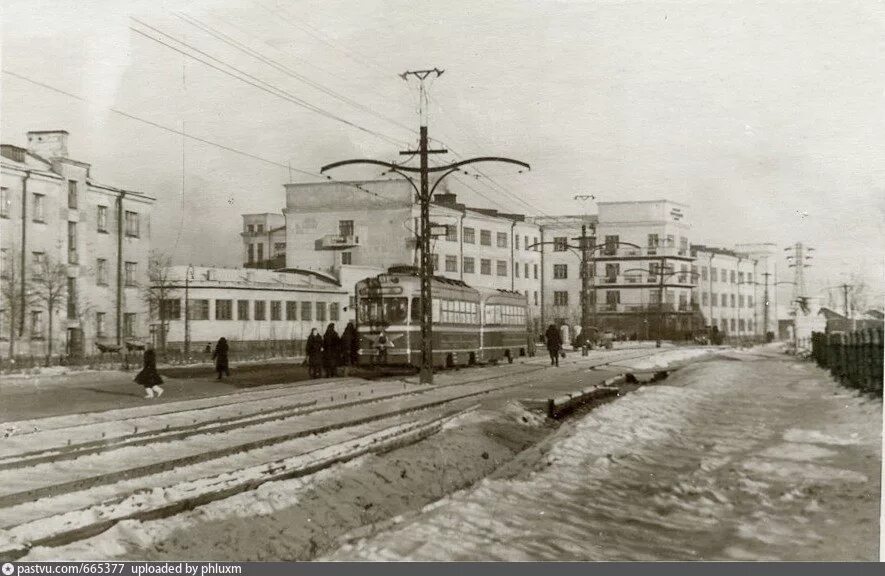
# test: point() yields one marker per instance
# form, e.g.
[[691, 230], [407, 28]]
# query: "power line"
[[192, 137], [285, 69], [254, 81]]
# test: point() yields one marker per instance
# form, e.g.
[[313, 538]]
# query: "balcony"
[[337, 242]]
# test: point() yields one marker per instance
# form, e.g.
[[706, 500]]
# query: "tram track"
[[211, 445]]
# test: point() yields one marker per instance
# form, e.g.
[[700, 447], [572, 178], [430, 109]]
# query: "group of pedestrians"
[[325, 353]]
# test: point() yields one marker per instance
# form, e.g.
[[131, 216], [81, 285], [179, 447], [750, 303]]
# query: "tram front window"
[[396, 310]]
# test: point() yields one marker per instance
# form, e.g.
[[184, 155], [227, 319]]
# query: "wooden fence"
[[853, 358]]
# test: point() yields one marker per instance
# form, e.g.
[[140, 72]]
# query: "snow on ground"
[[666, 359]]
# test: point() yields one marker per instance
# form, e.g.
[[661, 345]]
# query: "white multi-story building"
[[250, 308], [56, 219], [264, 241], [350, 230]]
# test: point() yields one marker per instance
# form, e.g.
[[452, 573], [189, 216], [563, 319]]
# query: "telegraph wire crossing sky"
[[765, 118]]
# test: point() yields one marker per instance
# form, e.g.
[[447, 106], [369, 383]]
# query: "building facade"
[[729, 292], [252, 309], [264, 241], [61, 227]]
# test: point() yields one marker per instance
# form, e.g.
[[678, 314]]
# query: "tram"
[[470, 325]]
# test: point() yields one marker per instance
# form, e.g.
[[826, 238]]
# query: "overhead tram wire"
[[255, 81], [191, 136], [227, 39]]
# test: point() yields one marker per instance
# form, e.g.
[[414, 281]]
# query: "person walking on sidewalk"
[[554, 344], [331, 350], [149, 377], [350, 345], [314, 352], [220, 356]]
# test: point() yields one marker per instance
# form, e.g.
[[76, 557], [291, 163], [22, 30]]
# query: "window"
[[502, 240], [703, 272], [260, 310], [526, 270], [451, 263], [611, 272], [36, 324], [536, 297], [467, 265], [653, 242], [740, 277], [101, 272], [452, 233], [242, 309], [485, 237], [683, 245], [198, 309], [100, 326], [732, 276], [5, 263], [469, 236], [321, 311], [724, 301], [560, 244], [560, 298], [250, 228], [132, 224], [171, 309], [732, 301], [129, 324], [250, 253], [5, 202], [224, 310], [516, 269], [38, 208], [72, 194], [612, 298], [611, 245], [732, 324], [39, 263], [72, 242], [516, 241], [714, 274], [526, 242], [260, 229], [560, 271], [130, 268], [333, 311], [345, 227], [742, 325], [306, 311], [683, 273], [723, 324], [705, 298], [279, 248], [276, 310], [485, 266], [749, 276], [535, 242], [72, 298], [654, 296], [740, 300], [502, 268], [346, 258], [683, 302], [291, 310], [713, 299], [261, 251], [102, 219], [749, 301], [536, 271]]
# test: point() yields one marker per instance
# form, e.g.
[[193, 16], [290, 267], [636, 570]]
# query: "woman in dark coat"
[[331, 350], [314, 352], [350, 345], [220, 355], [554, 344], [149, 377]]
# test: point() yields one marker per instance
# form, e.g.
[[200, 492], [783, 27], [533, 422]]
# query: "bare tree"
[[159, 291], [49, 283], [11, 294]]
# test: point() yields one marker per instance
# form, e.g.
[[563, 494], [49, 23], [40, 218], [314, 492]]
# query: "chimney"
[[48, 143], [445, 199]]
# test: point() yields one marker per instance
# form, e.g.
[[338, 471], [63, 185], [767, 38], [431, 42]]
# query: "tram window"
[[395, 310], [416, 309], [370, 310]]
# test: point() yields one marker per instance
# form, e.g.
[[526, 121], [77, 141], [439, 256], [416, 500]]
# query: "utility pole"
[[424, 192], [586, 304], [765, 310], [187, 315]]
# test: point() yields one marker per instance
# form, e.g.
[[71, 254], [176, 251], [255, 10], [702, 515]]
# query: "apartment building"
[[60, 227], [264, 241], [731, 292]]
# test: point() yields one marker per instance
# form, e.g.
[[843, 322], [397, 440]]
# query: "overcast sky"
[[767, 118]]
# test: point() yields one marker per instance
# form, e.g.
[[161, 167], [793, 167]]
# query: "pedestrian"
[[553, 338], [381, 345], [149, 377], [350, 345], [314, 352], [220, 356], [331, 350]]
